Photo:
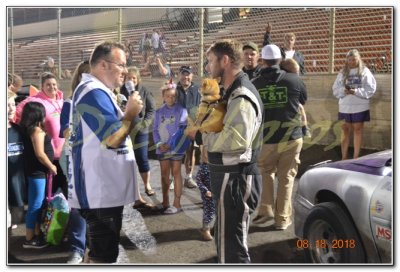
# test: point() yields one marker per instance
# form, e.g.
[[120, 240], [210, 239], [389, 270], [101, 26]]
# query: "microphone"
[[130, 87]]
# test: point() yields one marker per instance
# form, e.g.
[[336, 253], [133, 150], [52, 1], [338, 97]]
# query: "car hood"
[[373, 164]]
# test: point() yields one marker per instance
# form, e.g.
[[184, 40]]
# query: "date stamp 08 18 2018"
[[322, 243]]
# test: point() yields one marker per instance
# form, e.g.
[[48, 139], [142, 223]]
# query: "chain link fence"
[[58, 39]]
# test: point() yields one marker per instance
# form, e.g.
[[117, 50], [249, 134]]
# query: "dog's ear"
[[204, 85], [209, 86]]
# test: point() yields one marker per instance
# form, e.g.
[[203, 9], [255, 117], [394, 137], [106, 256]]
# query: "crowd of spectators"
[[48, 134]]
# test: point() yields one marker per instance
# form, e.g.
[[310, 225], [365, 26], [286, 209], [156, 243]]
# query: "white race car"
[[343, 211]]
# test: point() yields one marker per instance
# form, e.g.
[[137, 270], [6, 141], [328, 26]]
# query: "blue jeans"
[[77, 232], [104, 226], [36, 197]]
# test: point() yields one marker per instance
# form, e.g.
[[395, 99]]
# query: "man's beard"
[[220, 76]]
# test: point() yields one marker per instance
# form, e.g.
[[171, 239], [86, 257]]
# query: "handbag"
[[56, 216]]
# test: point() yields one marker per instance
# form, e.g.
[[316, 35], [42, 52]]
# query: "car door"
[[381, 218]]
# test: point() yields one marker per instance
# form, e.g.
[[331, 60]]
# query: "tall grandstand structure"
[[324, 35]]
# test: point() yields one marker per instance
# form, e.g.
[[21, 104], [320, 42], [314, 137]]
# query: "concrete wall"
[[322, 110]]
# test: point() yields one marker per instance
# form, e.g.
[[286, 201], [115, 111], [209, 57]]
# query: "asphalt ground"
[[151, 238]]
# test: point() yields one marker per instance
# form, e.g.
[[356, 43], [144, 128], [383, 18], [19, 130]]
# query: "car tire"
[[331, 236]]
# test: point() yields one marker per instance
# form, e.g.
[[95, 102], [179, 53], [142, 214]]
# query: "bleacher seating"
[[370, 31]]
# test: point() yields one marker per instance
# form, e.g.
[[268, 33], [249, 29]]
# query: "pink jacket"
[[52, 121]]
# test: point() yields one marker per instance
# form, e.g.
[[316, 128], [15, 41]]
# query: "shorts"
[[171, 157], [358, 117]]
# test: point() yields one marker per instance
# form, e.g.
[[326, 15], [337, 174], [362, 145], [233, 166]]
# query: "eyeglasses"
[[122, 66]]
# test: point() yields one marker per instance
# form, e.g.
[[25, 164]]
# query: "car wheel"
[[331, 236]]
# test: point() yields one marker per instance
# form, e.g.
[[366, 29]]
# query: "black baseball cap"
[[185, 68]]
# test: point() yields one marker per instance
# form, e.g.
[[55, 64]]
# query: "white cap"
[[271, 51]]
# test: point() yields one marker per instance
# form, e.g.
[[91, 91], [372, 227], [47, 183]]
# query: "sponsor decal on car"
[[383, 233], [378, 207]]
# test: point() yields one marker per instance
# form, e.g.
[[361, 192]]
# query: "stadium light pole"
[[119, 25], [59, 41], [12, 38], [201, 41], [331, 68]]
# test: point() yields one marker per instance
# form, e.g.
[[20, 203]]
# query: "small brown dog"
[[211, 110]]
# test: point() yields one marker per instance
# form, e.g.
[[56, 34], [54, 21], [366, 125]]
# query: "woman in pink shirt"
[[52, 99]]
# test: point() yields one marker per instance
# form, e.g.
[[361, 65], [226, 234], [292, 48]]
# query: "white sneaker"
[[75, 258], [190, 183]]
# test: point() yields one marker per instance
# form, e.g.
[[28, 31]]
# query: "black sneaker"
[[35, 242]]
